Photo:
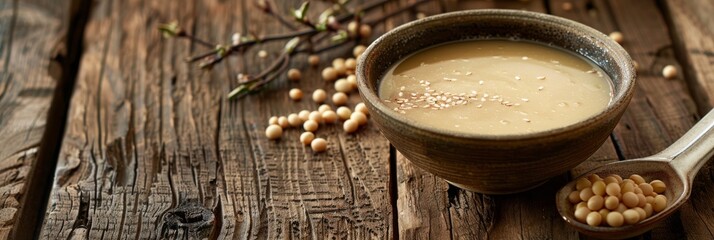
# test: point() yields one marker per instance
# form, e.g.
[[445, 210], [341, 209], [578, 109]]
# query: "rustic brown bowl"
[[495, 164]]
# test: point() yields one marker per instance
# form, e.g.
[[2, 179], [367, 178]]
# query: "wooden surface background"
[[151, 148]]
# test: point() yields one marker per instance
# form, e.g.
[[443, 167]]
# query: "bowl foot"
[[510, 191]]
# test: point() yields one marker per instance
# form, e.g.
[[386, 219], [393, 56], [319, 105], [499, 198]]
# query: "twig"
[[184, 34], [237, 47], [325, 48], [386, 16], [287, 23], [268, 70], [312, 35], [251, 85]]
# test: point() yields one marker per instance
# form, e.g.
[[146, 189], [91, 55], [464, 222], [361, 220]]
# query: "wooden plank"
[[692, 30], [30, 33], [661, 110], [422, 204], [666, 101], [151, 139], [431, 209], [422, 200], [693, 38]]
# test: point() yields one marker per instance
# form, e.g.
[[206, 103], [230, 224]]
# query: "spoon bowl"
[[676, 166], [677, 193]]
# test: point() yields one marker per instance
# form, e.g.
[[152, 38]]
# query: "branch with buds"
[[327, 27]]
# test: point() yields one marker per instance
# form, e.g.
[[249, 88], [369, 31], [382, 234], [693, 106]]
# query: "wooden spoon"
[[676, 166]]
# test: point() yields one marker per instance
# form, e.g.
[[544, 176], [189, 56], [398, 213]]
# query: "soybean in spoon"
[[676, 166]]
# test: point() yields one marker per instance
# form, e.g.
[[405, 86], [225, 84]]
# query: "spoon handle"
[[693, 149]]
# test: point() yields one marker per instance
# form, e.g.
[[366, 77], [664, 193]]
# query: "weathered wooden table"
[[106, 133]]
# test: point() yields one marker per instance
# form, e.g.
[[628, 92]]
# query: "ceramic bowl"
[[486, 163]]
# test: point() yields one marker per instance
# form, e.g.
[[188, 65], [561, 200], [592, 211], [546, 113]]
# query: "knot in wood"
[[190, 216]]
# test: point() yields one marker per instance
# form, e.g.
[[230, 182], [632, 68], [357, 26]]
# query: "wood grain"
[[692, 31], [154, 150], [429, 208], [30, 33], [666, 101], [643, 130]]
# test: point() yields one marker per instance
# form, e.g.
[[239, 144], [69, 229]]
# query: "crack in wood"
[[189, 215]]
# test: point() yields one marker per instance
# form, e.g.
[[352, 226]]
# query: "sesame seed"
[[518, 78], [524, 58], [541, 78], [468, 73], [540, 88], [527, 120], [524, 99], [480, 82]]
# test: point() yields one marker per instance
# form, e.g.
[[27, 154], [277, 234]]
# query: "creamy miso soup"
[[496, 87]]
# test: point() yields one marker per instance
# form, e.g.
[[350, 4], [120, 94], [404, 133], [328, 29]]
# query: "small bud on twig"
[[290, 46], [300, 14], [264, 5], [170, 30]]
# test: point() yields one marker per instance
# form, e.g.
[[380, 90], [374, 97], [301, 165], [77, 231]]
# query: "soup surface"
[[496, 87]]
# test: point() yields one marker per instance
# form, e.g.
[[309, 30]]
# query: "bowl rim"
[[619, 54]]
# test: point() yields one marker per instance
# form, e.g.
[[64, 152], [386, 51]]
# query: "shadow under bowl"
[[498, 164]]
